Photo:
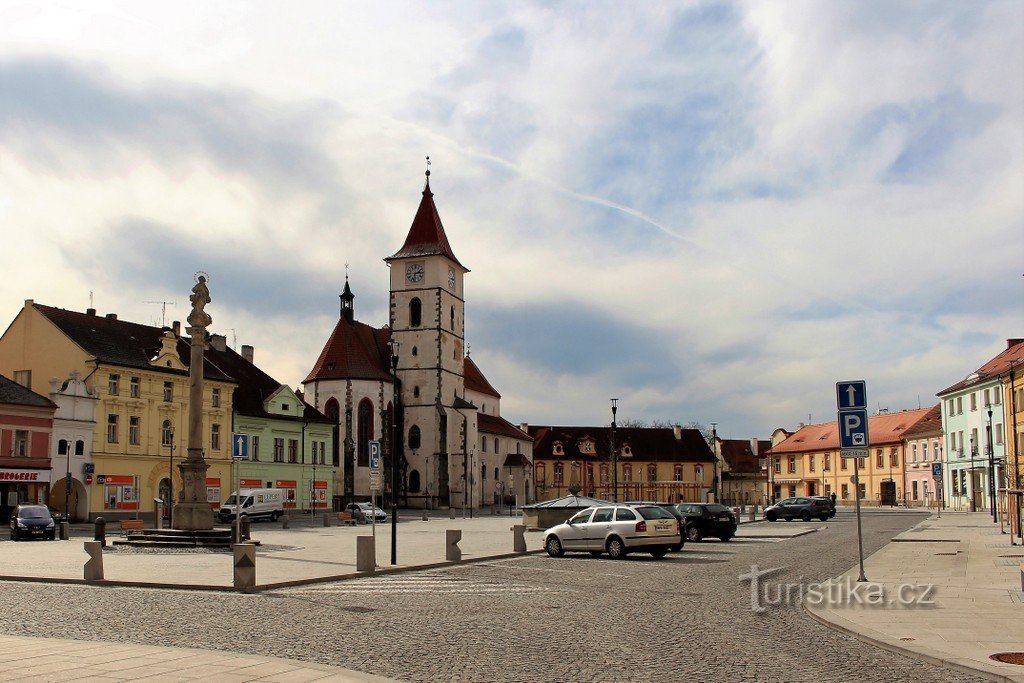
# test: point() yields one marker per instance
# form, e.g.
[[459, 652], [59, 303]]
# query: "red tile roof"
[[883, 429], [999, 365], [739, 457], [499, 426], [929, 425], [475, 380], [426, 236], [354, 351]]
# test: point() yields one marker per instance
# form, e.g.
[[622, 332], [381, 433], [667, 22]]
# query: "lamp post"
[[393, 344], [971, 492], [714, 461], [67, 483], [991, 468], [170, 482], [615, 455]]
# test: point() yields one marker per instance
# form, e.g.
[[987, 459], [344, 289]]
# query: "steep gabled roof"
[[645, 443], [12, 393], [499, 426], [354, 351], [475, 380], [930, 424], [1000, 364], [740, 458], [426, 235], [120, 342]]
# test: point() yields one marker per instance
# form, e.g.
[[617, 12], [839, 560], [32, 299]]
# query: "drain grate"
[[1009, 658]]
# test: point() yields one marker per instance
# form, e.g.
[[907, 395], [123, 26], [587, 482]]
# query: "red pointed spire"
[[426, 236]]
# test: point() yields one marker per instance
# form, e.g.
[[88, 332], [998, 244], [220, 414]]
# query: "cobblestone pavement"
[[533, 618]]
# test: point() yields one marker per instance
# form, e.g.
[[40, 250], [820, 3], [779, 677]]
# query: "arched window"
[[627, 473], [416, 392], [652, 472], [415, 312], [453, 318], [677, 473], [496, 474], [166, 433], [414, 437], [414, 481], [483, 444], [332, 410], [496, 449], [364, 432], [415, 351], [79, 447], [62, 447]]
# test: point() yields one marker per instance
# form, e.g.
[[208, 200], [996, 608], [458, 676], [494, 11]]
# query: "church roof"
[[12, 393], [499, 426], [475, 380], [426, 236], [354, 351], [123, 343]]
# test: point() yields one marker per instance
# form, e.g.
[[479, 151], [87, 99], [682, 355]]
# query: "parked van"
[[256, 503]]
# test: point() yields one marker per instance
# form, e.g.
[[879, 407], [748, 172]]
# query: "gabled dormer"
[[167, 356], [284, 402]]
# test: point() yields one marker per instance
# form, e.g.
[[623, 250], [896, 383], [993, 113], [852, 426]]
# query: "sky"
[[711, 211]]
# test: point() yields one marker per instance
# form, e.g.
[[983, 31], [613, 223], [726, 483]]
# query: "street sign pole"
[[852, 401]]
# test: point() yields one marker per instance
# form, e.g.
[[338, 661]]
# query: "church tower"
[[427, 317]]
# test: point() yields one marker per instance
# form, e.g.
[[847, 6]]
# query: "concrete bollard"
[[244, 527], [100, 531], [424, 514], [519, 538], [64, 531], [753, 514], [327, 520], [366, 554], [452, 551], [284, 521], [94, 565], [451, 513], [245, 566]]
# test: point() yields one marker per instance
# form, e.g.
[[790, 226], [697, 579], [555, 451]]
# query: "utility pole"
[[615, 455]]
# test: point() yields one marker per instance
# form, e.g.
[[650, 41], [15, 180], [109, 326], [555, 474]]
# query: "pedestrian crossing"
[[417, 584]]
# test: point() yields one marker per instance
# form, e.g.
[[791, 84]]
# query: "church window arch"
[[453, 318], [79, 447], [414, 481], [62, 447], [416, 392], [364, 431], [415, 312], [415, 351], [332, 410], [414, 437]]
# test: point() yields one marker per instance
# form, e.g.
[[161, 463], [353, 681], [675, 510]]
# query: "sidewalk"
[[45, 659], [978, 605]]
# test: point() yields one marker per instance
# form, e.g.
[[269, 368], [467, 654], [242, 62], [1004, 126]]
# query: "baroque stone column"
[[192, 511]]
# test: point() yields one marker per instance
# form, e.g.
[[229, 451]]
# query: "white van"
[[256, 503]]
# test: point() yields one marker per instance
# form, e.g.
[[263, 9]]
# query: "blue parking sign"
[[937, 470]]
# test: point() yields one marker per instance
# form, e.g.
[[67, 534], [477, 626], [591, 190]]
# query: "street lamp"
[[615, 455], [714, 461], [393, 344], [971, 493], [991, 468], [170, 481], [67, 483]]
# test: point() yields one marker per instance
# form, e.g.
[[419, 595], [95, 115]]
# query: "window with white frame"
[[215, 437], [113, 384], [215, 397], [168, 392], [111, 428], [133, 430], [166, 433], [21, 443], [134, 387]]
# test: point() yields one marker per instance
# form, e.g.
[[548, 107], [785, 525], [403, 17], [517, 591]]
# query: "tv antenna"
[[163, 310]]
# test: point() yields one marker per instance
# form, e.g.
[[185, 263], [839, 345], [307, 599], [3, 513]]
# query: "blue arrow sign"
[[852, 394], [853, 429], [240, 446]]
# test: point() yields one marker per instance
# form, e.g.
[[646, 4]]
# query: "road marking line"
[[540, 569]]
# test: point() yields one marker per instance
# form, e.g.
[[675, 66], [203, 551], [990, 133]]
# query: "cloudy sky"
[[713, 211]]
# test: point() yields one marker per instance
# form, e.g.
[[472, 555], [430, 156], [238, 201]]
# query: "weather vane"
[[428, 166]]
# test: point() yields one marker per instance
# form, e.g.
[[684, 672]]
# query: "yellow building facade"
[[138, 375]]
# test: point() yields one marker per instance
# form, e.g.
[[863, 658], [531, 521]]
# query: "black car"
[[32, 521], [708, 519], [804, 507], [675, 513], [831, 504]]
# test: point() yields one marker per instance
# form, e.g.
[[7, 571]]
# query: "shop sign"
[[250, 483], [25, 475]]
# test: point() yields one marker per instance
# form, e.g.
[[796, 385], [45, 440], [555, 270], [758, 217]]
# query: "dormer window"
[[557, 448], [285, 407], [627, 451]]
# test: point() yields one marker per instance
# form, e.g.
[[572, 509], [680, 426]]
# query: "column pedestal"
[[193, 512]]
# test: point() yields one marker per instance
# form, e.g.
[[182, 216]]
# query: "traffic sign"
[[937, 470], [240, 446], [853, 433], [376, 480], [852, 394]]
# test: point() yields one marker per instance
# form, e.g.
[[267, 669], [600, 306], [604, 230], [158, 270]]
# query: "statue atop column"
[[200, 297]]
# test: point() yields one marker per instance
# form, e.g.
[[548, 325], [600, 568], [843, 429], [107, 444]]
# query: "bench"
[[131, 525], [346, 518]]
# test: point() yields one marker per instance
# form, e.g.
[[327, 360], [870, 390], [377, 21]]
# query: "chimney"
[[678, 431], [799, 426], [219, 342], [90, 311], [176, 328], [247, 352], [753, 447], [1010, 343], [524, 427], [111, 316]]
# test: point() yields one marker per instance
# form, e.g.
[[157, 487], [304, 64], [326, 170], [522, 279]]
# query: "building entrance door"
[[888, 493]]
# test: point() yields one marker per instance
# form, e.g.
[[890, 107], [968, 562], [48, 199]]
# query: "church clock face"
[[414, 272], [451, 279]]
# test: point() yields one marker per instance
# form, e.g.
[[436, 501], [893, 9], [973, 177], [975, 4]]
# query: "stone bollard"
[[452, 551], [100, 532], [753, 514], [94, 565], [327, 520], [366, 554], [244, 527], [64, 531], [451, 513], [284, 521], [245, 566], [424, 514], [519, 538]]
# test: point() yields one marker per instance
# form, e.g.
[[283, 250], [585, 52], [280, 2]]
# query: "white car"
[[615, 529], [366, 512]]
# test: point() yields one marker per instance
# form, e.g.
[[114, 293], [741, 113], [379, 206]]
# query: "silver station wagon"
[[616, 530]]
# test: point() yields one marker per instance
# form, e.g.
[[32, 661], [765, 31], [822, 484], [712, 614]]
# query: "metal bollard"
[[366, 554], [64, 531], [245, 566], [519, 538], [100, 531], [452, 551], [94, 565]]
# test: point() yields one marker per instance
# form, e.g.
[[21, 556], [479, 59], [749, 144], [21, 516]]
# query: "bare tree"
[[703, 429]]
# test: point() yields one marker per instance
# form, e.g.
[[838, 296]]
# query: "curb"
[[796, 535], [924, 656]]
